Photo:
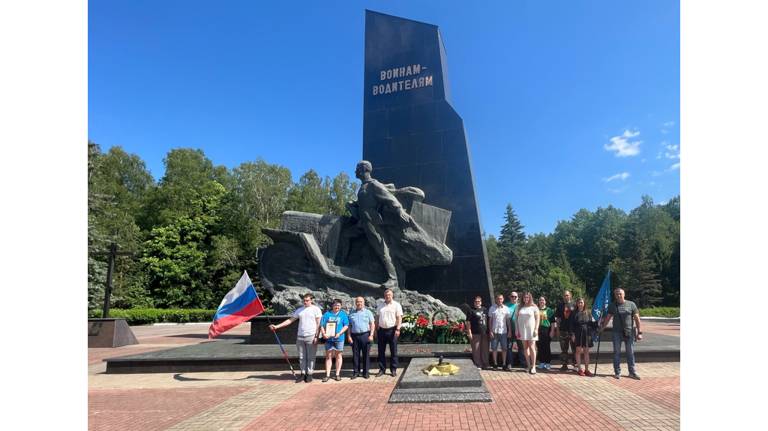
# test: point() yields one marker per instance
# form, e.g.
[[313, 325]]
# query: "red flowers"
[[422, 321], [441, 322]]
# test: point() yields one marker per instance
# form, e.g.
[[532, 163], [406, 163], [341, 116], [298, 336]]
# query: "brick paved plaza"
[[270, 400]]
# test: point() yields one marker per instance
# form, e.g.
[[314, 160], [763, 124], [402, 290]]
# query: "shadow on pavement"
[[181, 378]]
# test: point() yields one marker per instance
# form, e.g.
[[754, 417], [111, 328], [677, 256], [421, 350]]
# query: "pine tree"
[[510, 270]]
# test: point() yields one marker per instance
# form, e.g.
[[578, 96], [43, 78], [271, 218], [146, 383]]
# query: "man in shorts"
[[333, 325], [499, 321]]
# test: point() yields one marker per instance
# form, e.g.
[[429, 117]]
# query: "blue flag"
[[603, 298]]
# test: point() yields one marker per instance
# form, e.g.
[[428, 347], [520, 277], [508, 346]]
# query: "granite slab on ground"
[[237, 354], [417, 387]]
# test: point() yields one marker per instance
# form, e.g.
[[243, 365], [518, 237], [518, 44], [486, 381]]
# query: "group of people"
[[521, 332], [335, 327], [518, 334]]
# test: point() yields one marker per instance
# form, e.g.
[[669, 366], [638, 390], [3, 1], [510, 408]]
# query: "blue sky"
[[566, 105]]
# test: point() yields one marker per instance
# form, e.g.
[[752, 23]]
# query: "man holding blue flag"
[[626, 328]]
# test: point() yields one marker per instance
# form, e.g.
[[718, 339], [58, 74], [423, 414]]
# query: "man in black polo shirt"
[[561, 325]]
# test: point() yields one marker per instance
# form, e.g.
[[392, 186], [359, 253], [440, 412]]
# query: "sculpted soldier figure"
[[389, 231], [374, 200]]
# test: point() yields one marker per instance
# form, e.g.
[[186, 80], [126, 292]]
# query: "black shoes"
[[308, 378], [380, 373], [301, 378], [394, 373], [354, 376], [366, 376], [337, 378], [634, 376], [325, 379]]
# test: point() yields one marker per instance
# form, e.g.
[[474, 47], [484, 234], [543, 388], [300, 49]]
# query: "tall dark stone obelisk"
[[414, 137]]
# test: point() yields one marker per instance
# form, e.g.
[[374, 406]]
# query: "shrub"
[[148, 316], [660, 312]]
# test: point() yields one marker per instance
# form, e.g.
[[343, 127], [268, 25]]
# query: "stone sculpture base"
[[464, 387], [290, 298]]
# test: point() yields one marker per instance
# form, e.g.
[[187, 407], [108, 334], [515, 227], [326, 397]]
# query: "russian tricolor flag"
[[238, 306]]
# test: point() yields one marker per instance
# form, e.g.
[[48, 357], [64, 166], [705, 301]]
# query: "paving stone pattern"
[[270, 400]]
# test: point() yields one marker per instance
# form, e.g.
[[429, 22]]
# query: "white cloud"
[[673, 151], [674, 167], [621, 176], [623, 146]]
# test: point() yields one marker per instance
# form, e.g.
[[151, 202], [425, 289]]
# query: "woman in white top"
[[526, 329]]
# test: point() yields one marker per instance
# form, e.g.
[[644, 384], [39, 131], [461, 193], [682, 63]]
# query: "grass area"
[[660, 312]]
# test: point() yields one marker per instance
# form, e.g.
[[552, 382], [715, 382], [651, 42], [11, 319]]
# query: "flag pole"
[[282, 349], [597, 356], [602, 314]]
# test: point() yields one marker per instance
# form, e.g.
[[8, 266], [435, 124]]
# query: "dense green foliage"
[[146, 316], [660, 312], [642, 249], [194, 231]]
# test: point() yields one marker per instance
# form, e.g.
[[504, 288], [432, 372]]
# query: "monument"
[[412, 135], [465, 385], [389, 232]]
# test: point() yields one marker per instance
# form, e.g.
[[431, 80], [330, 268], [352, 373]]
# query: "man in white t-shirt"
[[499, 324], [308, 316], [389, 317]]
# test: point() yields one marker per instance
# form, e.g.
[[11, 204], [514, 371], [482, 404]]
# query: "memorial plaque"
[[413, 136]]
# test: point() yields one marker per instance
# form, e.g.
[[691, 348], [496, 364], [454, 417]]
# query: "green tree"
[[310, 194], [509, 268], [118, 184], [342, 191], [189, 178], [591, 241], [647, 247], [178, 257], [256, 200]]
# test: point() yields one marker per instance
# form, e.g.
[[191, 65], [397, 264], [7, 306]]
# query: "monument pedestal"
[[464, 387], [110, 333]]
